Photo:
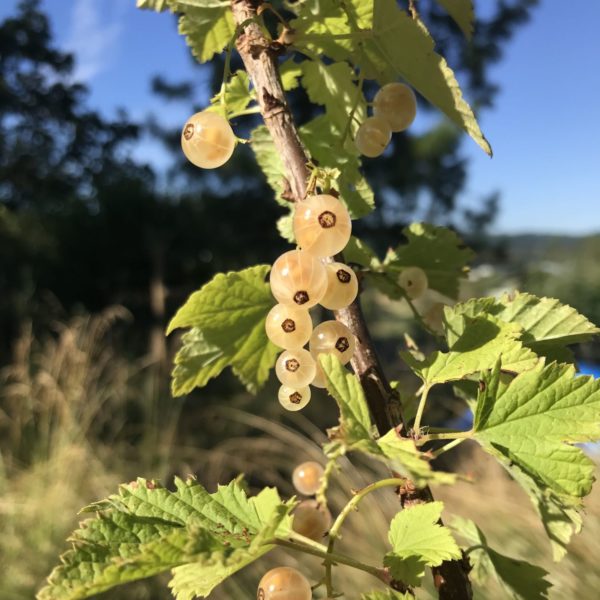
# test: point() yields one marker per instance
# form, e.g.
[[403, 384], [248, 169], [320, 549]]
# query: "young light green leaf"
[[520, 579], [386, 595], [408, 49], [290, 73], [462, 13], [532, 422], [145, 529], [333, 87], [360, 253], [481, 344], [547, 323], [237, 94], [355, 428], [438, 251], [207, 27], [228, 316], [418, 540], [405, 458]]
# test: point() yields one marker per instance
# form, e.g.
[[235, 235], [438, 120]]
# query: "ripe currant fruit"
[[295, 368], [293, 399], [397, 104], [322, 225], [288, 326], [342, 286], [333, 337], [298, 278], [373, 136], [307, 477], [207, 140], [284, 583], [413, 281], [319, 381], [311, 520]]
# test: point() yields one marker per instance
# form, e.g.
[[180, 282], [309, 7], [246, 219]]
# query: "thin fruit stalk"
[[259, 57]]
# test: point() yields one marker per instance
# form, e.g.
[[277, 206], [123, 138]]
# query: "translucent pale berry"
[[373, 136], [342, 286], [288, 326], [293, 399], [333, 337], [207, 140], [298, 278], [307, 477], [295, 368], [311, 520], [414, 282], [284, 583], [322, 225], [320, 381], [397, 104]]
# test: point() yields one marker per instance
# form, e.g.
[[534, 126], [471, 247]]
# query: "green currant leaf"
[[290, 73], [360, 253], [333, 87], [520, 579], [418, 540], [386, 595], [146, 529], [228, 319], [482, 343], [437, 250], [462, 13], [237, 94], [269, 160], [548, 325], [533, 421]]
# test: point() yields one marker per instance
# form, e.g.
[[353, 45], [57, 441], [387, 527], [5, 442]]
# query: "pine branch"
[[260, 59]]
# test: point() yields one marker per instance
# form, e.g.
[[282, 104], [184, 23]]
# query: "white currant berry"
[[288, 326], [284, 583], [397, 104], [342, 286], [298, 278], [373, 136], [295, 368], [333, 337], [413, 281], [292, 398], [320, 380], [433, 317], [207, 140], [307, 477], [322, 225], [311, 520]]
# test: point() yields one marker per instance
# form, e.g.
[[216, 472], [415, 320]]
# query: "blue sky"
[[545, 127]]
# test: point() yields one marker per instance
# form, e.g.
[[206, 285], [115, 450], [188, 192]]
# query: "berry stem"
[[458, 435], [420, 409], [446, 447]]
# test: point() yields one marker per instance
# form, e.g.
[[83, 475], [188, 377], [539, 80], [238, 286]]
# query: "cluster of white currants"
[[207, 140], [310, 520], [301, 279], [394, 109]]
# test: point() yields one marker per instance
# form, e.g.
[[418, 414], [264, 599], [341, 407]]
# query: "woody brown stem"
[[259, 55]]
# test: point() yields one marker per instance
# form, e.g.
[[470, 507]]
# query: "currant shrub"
[[373, 136], [413, 281], [311, 520], [284, 583], [322, 225], [396, 103], [288, 326], [292, 398], [333, 337], [307, 477], [342, 286], [295, 368], [207, 140], [298, 278]]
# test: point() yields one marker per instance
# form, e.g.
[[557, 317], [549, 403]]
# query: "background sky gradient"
[[545, 127]]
